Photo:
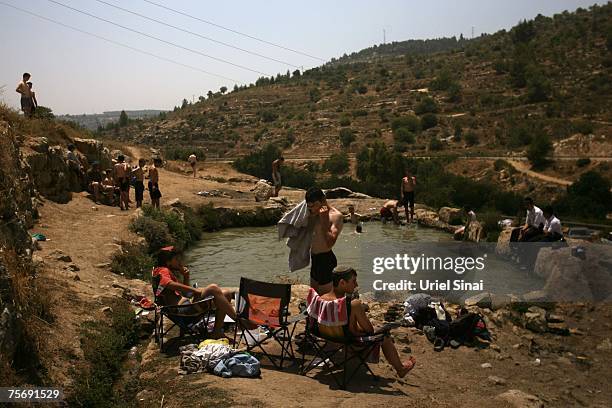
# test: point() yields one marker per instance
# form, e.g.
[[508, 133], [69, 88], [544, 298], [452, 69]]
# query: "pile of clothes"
[[216, 356], [430, 316]]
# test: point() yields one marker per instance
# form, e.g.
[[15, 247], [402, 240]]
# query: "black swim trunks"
[[124, 184], [408, 198], [154, 190], [321, 267], [139, 189]]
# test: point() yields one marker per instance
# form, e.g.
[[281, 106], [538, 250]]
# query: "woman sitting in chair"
[[169, 291], [344, 284]]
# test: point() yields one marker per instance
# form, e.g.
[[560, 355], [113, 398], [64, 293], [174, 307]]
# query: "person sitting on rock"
[[169, 290], [552, 231], [344, 280], [534, 223], [389, 211], [461, 232]]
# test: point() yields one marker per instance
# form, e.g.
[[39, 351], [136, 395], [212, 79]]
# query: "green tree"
[[223, 89], [427, 105], [410, 122], [184, 104], [471, 139], [42, 112], [123, 119], [346, 137], [589, 197], [435, 144], [538, 150], [315, 95], [524, 32], [210, 94], [429, 120], [337, 163], [403, 135]]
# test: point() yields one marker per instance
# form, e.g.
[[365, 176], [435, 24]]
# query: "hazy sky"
[[76, 73]]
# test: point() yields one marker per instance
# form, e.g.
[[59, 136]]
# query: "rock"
[[263, 190], [450, 215], [605, 345], [94, 151], [564, 361], [496, 380], [486, 365], [76, 277], [359, 196], [495, 347], [560, 329], [74, 268], [39, 144], [107, 310], [534, 298], [64, 258], [174, 203], [555, 318], [338, 192], [535, 320], [102, 265], [502, 247], [482, 300], [520, 399]]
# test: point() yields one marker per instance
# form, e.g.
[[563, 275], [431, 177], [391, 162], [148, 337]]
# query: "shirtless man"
[[408, 185], [276, 176], [27, 103], [138, 173], [122, 180], [154, 182], [389, 211], [193, 161], [354, 218], [327, 224]]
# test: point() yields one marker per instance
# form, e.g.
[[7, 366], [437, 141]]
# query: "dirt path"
[[524, 168]]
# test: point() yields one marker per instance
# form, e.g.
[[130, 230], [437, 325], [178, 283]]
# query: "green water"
[[223, 257]]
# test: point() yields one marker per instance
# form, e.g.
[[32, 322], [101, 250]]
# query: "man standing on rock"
[[327, 225], [27, 103], [407, 194], [276, 176]]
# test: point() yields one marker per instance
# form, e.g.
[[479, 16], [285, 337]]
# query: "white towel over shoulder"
[[295, 226]]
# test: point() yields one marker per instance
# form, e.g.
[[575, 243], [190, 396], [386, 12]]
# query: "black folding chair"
[[267, 305], [193, 319], [345, 349]]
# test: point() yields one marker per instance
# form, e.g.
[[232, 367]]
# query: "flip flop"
[[438, 344]]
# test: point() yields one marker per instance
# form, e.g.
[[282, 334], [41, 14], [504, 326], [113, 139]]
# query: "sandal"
[[438, 344]]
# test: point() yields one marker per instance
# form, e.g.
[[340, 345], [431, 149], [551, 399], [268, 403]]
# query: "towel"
[[327, 312], [295, 225]]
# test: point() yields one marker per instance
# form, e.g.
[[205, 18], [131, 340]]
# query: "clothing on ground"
[[296, 226], [239, 365]]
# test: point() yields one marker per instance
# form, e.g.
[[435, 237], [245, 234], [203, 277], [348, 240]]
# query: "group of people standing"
[[118, 180], [28, 96]]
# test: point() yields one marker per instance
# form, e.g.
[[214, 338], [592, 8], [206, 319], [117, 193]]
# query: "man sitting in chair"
[[170, 291], [344, 284]]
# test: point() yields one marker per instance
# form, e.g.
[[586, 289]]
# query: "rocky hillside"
[[545, 78]]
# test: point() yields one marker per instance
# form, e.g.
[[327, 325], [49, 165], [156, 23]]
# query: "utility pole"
[[472, 32], [384, 36]]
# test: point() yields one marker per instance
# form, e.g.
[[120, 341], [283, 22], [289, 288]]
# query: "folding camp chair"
[[345, 346], [267, 305], [192, 319]]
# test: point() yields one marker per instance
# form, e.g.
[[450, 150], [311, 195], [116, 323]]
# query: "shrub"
[[104, 346], [427, 105], [133, 262], [490, 225], [346, 137], [183, 152], [345, 121], [582, 162], [471, 139], [583, 126], [359, 112], [589, 197], [538, 150], [268, 115], [435, 144], [42, 112], [428, 121], [410, 122], [154, 232], [315, 95], [337, 163], [403, 135]]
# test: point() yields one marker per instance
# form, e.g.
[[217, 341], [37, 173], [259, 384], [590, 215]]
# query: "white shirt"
[[553, 225], [535, 217], [471, 215]]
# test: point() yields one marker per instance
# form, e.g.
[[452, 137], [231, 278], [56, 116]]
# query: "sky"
[[74, 73]]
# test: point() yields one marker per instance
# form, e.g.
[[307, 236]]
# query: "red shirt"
[[165, 276]]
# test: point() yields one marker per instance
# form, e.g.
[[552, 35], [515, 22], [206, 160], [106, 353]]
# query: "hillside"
[[96, 120], [547, 77]]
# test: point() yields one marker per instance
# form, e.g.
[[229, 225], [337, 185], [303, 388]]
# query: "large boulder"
[[576, 278], [263, 190], [94, 151], [450, 215], [503, 243], [520, 399], [52, 176]]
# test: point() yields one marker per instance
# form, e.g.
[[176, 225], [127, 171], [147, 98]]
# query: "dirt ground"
[[572, 370]]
